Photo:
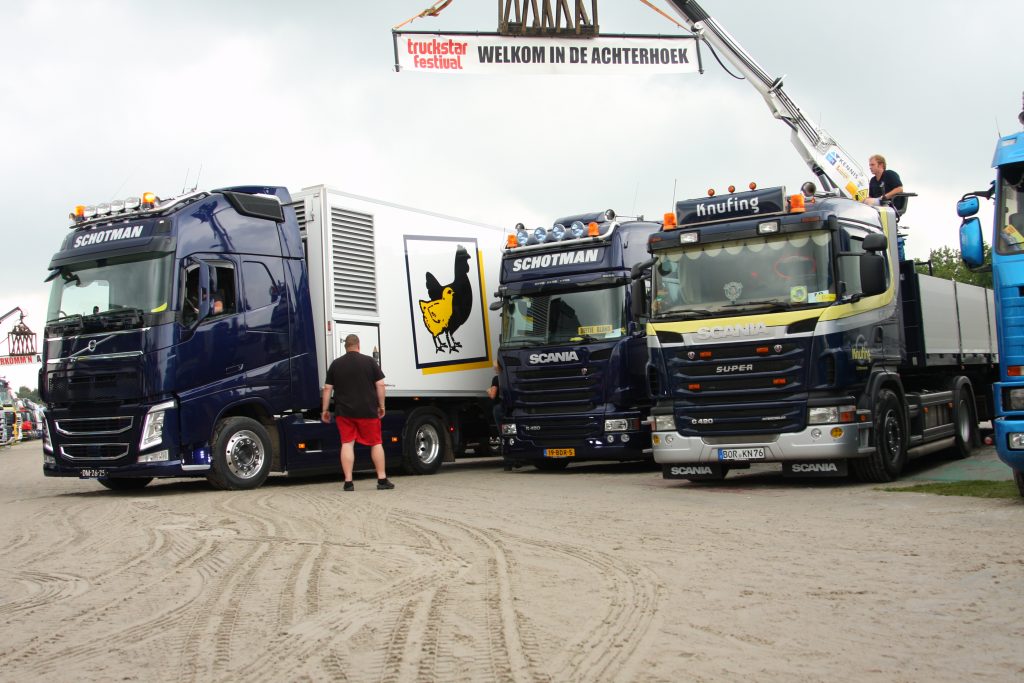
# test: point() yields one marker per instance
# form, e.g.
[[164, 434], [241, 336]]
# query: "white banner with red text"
[[495, 54]]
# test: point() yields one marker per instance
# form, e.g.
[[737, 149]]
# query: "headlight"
[[1016, 440], [153, 426], [577, 229], [1013, 399], [617, 425], [664, 423], [541, 235], [47, 446], [558, 232], [508, 429], [831, 415], [522, 236]]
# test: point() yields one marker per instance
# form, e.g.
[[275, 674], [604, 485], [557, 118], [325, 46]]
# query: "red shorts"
[[365, 430]]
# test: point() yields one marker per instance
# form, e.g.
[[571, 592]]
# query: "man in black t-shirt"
[[884, 182], [358, 408]]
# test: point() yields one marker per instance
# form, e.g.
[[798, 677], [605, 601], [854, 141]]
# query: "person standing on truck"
[[884, 183], [358, 407]]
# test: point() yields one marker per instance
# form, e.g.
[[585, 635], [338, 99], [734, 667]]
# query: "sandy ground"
[[601, 573]]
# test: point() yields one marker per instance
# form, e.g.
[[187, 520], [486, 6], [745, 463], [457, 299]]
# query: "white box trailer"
[[414, 285]]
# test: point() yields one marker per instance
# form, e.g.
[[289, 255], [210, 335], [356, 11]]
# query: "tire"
[[126, 484], [890, 436], [551, 465], [241, 456], [1018, 477], [965, 426], [425, 442]]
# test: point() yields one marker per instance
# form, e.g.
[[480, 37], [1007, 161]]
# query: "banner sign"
[[494, 54]]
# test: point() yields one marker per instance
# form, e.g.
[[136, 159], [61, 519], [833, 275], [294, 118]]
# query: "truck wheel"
[[965, 427], [890, 454], [1018, 477], [425, 442], [241, 454], [126, 484], [547, 465]]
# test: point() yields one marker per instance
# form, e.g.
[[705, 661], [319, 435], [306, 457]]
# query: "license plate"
[[741, 454], [559, 452], [92, 474]]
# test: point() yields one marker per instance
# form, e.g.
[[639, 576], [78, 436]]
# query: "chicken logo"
[[448, 306]]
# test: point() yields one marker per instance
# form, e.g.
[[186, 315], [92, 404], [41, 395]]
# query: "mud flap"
[[693, 472], [829, 468]]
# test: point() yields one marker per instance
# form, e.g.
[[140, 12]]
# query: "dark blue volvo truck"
[[190, 337], [573, 362]]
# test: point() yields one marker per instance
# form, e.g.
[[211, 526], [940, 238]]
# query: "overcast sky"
[[103, 99]]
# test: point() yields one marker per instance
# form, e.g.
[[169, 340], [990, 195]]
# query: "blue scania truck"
[[1008, 284], [572, 359], [191, 336]]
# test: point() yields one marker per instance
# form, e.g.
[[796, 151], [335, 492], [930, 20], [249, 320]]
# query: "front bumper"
[[813, 443]]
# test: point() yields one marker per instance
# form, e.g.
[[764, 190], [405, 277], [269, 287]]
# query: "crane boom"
[[833, 166]]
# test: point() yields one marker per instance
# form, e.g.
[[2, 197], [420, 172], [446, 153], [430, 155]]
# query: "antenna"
[[999, 133], [674, 184], [199, 173], [184, 183]]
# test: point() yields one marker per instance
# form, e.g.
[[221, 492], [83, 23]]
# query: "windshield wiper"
[[772, 304], [685, 314]]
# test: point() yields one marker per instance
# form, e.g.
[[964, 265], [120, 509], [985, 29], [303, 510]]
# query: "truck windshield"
[[775, 272], [1010, 212], [574, 316], [109, 294]]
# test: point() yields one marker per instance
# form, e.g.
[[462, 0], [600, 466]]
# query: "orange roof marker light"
[[796, 203], [593, 230], [711, 192], [511, 242], [752, 185], [149, 200], [670, 221], [732, 188]]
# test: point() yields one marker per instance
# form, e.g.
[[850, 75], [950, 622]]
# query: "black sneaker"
[[384, 484], [348, 486]]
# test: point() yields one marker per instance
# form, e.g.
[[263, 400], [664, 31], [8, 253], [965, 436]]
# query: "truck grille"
[[556, 432], [94, 426], [94, 451], [74, 387], [744, 388], [565, 389]]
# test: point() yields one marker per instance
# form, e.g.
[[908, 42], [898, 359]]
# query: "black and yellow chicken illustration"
[[458, 307]]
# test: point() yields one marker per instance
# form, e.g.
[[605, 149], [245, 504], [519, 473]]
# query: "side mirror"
[[876, 242], [972, 248], [967, 207], [637, 294], [872, 273], [638, 268], [496, 305]]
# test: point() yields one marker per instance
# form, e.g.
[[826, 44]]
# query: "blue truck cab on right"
[[1008, 285]]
